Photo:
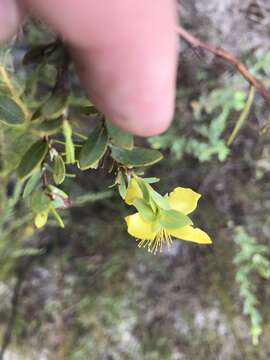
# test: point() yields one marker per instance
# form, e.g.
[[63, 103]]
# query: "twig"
[[225, 55]]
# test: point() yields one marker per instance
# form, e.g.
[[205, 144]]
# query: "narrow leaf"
[[172, 219], [119, 137], [121, 185], [10, 111], [31, 184], [144, 209], [55, 105], [151, 180], [48, 127], [136, 157], [161, 201], [59, 169], [32, 159], [94, 148], [57, 217]]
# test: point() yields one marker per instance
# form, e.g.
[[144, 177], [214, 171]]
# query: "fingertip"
[[10, 19], [147, 121]]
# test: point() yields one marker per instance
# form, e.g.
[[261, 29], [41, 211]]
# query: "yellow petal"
[[184, 200], [133, 192], [190, 233], [139, 228]]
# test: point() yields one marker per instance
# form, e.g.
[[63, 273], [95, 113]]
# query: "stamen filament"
[[156, 244]]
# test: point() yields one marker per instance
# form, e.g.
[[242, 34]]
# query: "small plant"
[[207, 137], [251, 262]]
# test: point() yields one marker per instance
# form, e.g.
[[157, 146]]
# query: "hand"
[[125, 52]]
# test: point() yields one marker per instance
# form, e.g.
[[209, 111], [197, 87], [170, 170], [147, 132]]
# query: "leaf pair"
[[121, 145]]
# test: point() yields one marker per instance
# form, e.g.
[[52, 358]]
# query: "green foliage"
[[59, 169], [137, 157], [93, 149], [119, 137], [173, 219], [50, 116], [251, 262], [206, 136], [55, 105], [32, 159], [32, 183], [10, 111]]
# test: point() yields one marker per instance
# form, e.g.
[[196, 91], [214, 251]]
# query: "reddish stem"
[[225, 55]]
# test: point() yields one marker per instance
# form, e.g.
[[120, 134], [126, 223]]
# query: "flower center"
[[156, 244]]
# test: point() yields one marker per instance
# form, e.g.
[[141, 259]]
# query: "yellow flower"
[[153, 234]]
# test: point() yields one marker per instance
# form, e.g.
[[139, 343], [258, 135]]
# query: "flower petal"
[[190, 233], [139, 228], [184, 200], [133, 192]]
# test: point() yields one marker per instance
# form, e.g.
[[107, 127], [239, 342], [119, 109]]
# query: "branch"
[[225, 55]]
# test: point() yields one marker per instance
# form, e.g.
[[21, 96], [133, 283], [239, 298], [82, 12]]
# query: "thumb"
[[10, 19], [125, 52]]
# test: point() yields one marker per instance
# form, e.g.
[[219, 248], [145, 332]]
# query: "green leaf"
[[41, 219], [55, 105], [32, 183], [10, 111], [136, 157], [172, 219], [36, 54], [69, 145], [48, 127], [87, 110], [151, 180], [145, 188], [161, 201], [59, 169], [37, 115], [119, 137], [94, 148], [32, 159], [147, 192], [57, 217], [59, 55], [40, 201], [144, 209], [121, 185]]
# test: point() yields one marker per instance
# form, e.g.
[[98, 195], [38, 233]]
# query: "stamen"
[[156, 244]]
